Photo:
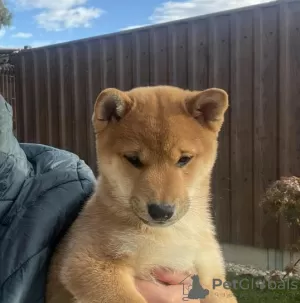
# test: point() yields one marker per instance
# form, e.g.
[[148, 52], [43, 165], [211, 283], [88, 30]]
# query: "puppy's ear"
[[208, 107], [111, 106]]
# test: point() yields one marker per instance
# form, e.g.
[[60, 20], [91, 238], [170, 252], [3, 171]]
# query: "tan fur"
[[109, 244]]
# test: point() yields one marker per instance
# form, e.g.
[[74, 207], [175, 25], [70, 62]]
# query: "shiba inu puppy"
[[156, 149]]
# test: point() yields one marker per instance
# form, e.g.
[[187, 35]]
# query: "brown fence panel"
[[253, 53]]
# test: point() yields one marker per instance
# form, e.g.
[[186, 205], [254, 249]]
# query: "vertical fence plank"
[[79, 53], [221, 175], [124, 61], [242, 129], [54, 88], [198, 54], [29, 110], [177, 55], [109, 62], [266, 92], [291, 104], [159, 56], [94, 88], [67, 111], [284, 108], [41, 89], [141, 59]]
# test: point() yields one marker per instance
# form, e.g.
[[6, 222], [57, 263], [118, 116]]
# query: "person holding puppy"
[[42, 190]]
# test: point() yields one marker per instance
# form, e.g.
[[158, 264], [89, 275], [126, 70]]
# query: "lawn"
[[277, 291]]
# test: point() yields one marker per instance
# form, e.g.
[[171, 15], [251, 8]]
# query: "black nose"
[[161, 212]]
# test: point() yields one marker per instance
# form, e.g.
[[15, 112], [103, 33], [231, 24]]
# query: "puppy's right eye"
[[134, 160], [184, 161]]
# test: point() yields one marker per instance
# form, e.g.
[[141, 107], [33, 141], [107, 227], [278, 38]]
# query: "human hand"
[[169, 292]]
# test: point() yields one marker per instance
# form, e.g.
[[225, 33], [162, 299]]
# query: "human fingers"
[[151, 291]]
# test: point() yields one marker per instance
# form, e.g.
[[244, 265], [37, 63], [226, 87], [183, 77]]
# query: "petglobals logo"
[[194, 291], [255, 283]]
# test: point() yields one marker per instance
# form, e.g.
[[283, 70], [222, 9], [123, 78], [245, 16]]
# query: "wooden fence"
[[253, 53]]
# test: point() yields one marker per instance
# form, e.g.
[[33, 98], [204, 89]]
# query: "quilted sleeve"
[[14, 167]]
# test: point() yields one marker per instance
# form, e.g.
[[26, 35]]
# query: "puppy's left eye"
[[134, 160], [183, 161]]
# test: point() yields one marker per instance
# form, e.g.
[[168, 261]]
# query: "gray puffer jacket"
[[42, 189]]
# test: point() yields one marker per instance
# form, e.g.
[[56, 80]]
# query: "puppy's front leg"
[[211, 270], [93, 281]]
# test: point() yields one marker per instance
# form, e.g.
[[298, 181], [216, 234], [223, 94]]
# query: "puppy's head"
[[156, 147]]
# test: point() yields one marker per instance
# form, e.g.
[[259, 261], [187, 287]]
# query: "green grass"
[[288, 292]]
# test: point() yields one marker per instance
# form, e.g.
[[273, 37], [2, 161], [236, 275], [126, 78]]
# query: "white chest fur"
[[173, 248]]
